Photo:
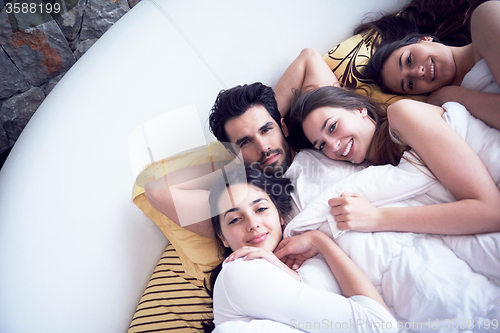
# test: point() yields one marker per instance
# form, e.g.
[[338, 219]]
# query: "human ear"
[[282, 221], [284, 128], [224, 242], [425, 39], [363, 111]]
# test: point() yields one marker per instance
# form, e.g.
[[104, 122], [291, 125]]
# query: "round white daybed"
[[75, 252]]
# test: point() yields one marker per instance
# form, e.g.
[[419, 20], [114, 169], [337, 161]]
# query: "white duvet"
[[431, 283]]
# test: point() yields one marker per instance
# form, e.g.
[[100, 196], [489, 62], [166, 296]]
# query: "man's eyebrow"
[[266, 125], [241, 140], [401, 69], [263, 127]]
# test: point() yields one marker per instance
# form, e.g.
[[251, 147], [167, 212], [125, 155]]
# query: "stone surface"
[[100, 15], [39, 53], [4, 140], [83, 47], [47, 87], [22, 21], [11, 79], [36, 51], [131, 3], [17, 111], [71, 21], [73, 44]]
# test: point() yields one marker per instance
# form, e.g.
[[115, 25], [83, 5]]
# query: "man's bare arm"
[[174, 203]]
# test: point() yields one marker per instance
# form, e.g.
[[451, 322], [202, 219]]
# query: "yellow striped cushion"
[[173, 300], [198, 254]]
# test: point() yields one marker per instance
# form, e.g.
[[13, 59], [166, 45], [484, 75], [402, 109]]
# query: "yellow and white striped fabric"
[[173, 300]]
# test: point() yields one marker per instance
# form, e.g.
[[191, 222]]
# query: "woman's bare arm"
[[456, 166], [482, 105], [485, 31], [308, 71], [351, 279]]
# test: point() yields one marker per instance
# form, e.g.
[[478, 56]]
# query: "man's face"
[[260, 139]]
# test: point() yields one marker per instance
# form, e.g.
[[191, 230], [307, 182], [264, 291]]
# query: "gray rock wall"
[[37, 50]]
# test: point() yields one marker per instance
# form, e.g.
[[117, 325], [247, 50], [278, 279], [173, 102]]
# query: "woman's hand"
[[250, 252], [353, 212], [293, 251]]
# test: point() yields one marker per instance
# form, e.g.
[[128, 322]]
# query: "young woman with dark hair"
[[345, 127], [253, 286], [387, 151], [419, 64]]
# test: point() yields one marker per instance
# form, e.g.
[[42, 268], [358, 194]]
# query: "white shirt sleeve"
[[256, 289]]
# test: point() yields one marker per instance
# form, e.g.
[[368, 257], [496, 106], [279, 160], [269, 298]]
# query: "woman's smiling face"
[[340, 134], [252, 220], [419, 68]]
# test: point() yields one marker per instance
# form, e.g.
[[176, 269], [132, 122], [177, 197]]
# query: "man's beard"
[[275, 169]]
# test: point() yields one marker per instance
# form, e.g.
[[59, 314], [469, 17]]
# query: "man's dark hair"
[[234, 102]]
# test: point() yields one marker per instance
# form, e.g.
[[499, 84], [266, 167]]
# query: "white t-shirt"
[[256, 289]]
